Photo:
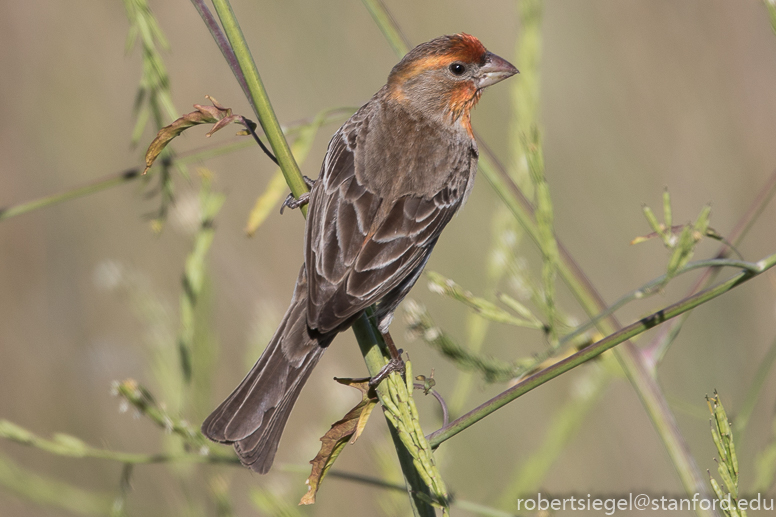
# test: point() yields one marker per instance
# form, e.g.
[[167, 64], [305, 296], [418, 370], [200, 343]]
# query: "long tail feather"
[[252, 418]]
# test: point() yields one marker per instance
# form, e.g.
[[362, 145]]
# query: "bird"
[[393, 176]]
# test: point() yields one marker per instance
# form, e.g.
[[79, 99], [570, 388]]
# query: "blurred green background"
[[635, 97]]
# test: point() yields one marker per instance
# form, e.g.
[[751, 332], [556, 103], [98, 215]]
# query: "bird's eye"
[[457, 69]]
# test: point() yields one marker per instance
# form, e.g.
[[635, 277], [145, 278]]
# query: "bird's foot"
[[394, 365], [292, 202]]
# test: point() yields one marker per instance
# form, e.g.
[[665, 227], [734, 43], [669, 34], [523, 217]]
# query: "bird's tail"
[[252, 418]]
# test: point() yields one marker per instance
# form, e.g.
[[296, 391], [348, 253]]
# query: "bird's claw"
[[394, 365], [292, 202]]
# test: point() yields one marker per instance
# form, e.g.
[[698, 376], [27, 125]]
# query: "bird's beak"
[[494, 70]]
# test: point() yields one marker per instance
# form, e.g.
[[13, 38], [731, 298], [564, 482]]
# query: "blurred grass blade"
[[526, 93], [85, 190], [195, 272], [668, 216], [387, 26], [153, 99], [268, 202], [518, 307], [701, 224], [741, 420], [269, 502], [771, 6], [51, 493], [544, 223], [657, 228], [420, 324], [564, 425], [142, 400], [119, 506], [488, 310], [154, 89], [765, 465], [219, 491], [70, 446]]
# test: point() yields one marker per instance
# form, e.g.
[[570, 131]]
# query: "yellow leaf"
[[267, 201]]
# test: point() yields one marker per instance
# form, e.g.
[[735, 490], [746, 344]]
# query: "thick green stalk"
[[264, 111], [372, 348]]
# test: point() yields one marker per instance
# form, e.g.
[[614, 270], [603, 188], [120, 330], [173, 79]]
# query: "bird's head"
[[445, 76]]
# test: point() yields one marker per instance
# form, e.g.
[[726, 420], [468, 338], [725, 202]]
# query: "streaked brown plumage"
[[394, 175]]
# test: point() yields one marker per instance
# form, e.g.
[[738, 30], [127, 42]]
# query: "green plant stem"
[[64, 445], [51, 492], [654, 286], [593, 351], [370, 343], [90, 188], [373, 353], [260, 100]]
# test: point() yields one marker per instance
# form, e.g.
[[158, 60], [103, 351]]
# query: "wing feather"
[[361, 245]]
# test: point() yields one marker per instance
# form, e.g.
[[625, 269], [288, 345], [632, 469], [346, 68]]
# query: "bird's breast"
[[407, 152]]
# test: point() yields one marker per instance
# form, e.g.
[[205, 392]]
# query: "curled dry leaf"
[[348, 429], [215, 114]]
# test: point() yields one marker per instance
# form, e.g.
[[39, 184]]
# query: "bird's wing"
[[361, 246]]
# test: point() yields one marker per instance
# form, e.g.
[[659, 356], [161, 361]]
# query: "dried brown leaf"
[[215, 114], [348, 429]]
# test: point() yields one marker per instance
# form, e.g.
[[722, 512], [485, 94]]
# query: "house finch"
[[393, 176]]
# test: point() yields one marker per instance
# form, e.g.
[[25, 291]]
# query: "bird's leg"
[[395, 353], [292, 202], [396, 364]]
